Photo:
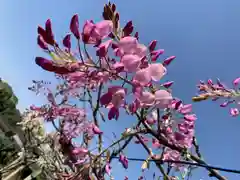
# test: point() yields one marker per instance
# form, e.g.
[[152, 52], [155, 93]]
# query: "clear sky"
[[204, 35]]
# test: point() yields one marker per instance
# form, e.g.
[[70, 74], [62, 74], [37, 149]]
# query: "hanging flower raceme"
[[217, 91], [133, 66]]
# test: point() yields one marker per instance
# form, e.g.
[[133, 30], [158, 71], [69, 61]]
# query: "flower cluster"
[[124, 74], [216, 91]]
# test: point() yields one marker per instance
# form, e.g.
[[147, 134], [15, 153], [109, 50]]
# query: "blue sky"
[[204, 35]]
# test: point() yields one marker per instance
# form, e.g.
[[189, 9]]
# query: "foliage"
[[9, 116], [8, 100]]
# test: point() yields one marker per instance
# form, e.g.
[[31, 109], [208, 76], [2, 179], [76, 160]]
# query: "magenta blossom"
[[93, 33], [123, 159], [114, 99]]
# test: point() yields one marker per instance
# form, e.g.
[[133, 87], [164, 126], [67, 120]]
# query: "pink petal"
[[42, 43], [190, 117], [79, 151], [155, 143], [67, 41], [76, 76], [134, 106], [131, 62], [167, 84], [118, 66], [128, 41], [128, 45], [163, 98], [186, 108], [113, 113], [236, 81], [140, 51], [108, 169], [157, 71], [155, 54], [106, 98], [103, 28], [151, 121], [88, 27], [96, 130], [103, 48], [117, 89], [152, 45], [74, 26], [168, 61], [117, 102], [142, 76], [179, 136], [146, 99], [182, 128], [234, 112]]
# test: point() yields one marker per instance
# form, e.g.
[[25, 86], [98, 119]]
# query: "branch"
[[165, 142]]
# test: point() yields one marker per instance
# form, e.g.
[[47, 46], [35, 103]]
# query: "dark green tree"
[[9, 117]]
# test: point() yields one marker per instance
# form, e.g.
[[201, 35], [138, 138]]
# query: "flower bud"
[[67, 41], [74, 26]]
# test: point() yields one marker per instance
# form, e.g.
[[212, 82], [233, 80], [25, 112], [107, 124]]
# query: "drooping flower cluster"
[[122, 69], [217, 91]]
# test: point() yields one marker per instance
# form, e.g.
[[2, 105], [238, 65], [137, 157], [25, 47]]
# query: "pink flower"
[[163, 98], [115, 95], [157, 71], [133, 107], [146, 99], [183, 127], [151, 121], [176, 104], [127, 44], [114, 99], [234, 112], [179, 136], [93, 33], [225, 104], [190, 117], [79, 151], [236, 81], [96, 129], [123, 159], [131, 62], [130, 45], [153, 72], [155, 143], [87, 33], [144, 139], [76, 76], [143, 77], [103, 48], [187, 108], [108, 169], [103, 28]]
